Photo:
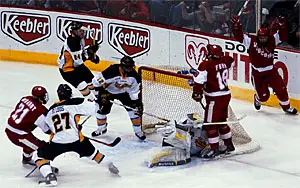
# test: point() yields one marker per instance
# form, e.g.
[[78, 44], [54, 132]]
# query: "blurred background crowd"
[[210, 16]]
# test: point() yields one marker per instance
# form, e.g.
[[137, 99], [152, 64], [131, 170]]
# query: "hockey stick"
[[210, 123], [112, 144], [146, 113], [243, 8], [54, 169], [29, 173], [225, 122]]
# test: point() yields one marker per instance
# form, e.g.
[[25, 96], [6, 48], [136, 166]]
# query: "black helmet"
[[127, 61], [64, 92], [76, 25]]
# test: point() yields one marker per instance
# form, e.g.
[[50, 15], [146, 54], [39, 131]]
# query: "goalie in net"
[[168, 89]]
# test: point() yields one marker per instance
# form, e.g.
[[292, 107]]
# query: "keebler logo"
[[24, 27], [63, 28], [129, 40], [195, 50]]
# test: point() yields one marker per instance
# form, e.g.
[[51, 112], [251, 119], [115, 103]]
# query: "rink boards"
[[36, 36]]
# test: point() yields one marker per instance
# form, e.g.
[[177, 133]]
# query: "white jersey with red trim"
[[63, 117]]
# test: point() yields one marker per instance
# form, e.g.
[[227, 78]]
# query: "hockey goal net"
[[167, 94]]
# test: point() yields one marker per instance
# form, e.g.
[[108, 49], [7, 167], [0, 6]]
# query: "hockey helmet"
[[76, 25], [64, 92], [127, 61], [39, 92], [78, 29], [214, 51], [127, 64], [263, 35]]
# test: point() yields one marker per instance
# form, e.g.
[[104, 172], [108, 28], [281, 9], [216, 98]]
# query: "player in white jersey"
[[121, 82], [72, 58], [62, 119], [181, 140]]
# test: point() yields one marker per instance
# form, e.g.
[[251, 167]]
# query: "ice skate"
[[140, 135], [112, 168], [291, 111], [100, 131], [210, 154], [28, 161], [257, 103], [230, 148], [50, 180]]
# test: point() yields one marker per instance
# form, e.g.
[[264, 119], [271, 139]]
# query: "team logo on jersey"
[[129, 40], [195, 50], [26, 28], [94, 28]]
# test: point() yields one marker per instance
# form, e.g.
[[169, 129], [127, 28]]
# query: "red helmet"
[[214, 51], [263, 35], [263, 32], [40, 93]]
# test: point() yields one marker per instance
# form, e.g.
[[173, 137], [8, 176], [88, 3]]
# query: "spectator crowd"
[[210, 16]]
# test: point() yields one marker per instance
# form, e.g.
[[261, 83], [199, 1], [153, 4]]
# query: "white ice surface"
[[276, 165]]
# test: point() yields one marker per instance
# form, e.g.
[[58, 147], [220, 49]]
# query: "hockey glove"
[[197, 96], [138, 105], [93, 48], [91, 52], [235, 21], [95, 59]]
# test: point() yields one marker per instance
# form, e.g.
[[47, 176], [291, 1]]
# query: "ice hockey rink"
[[275, 165]]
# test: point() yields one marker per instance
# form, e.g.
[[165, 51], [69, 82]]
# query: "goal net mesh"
[[167, 94]]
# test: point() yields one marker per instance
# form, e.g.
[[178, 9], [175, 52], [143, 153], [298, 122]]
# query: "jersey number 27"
[[61, 121]]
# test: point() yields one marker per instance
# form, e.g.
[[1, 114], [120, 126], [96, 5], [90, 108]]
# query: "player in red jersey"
[[261, 53], [211, 79], [27, 115]]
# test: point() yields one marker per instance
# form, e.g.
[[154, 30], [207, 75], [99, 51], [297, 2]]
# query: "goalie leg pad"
[[170, 156]]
